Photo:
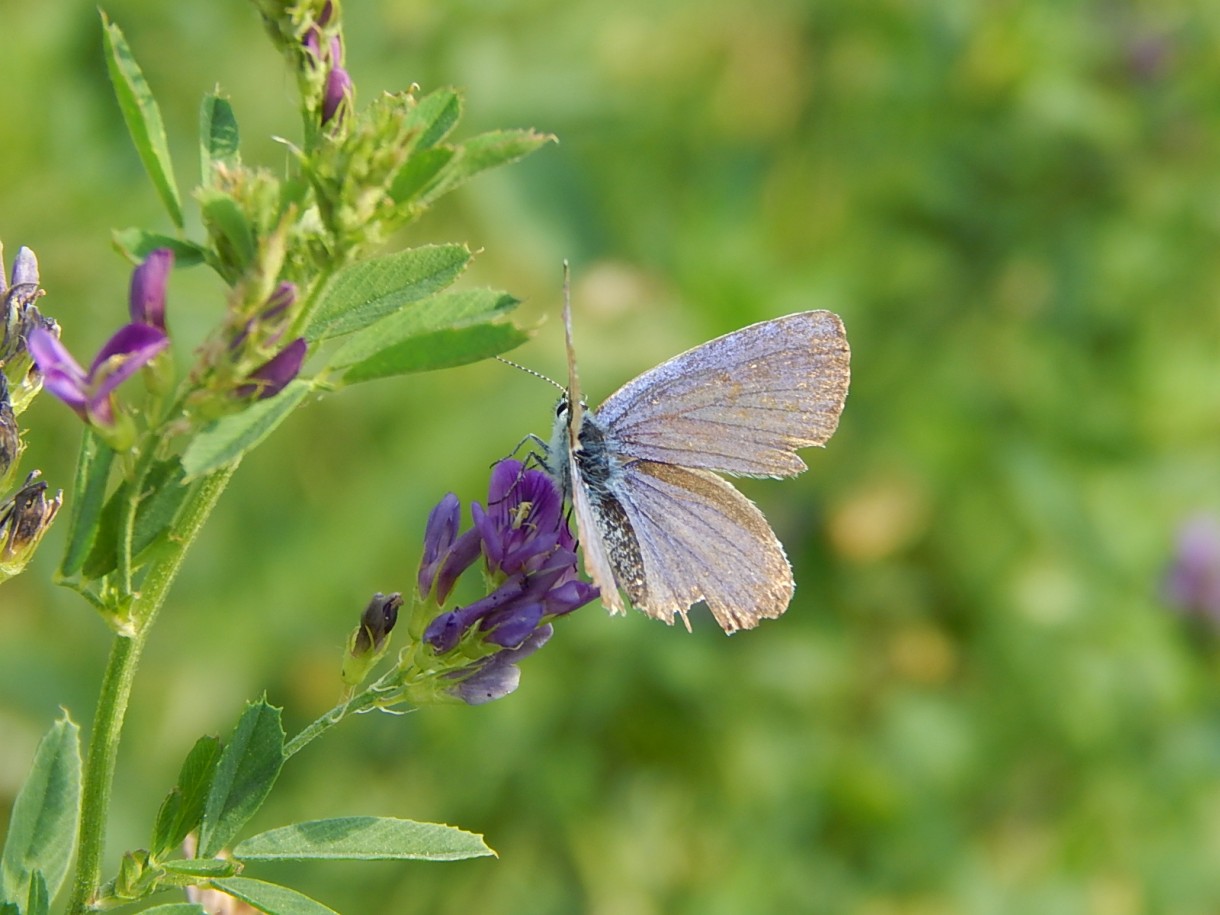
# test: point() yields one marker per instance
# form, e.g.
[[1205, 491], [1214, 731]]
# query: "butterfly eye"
[[562, 407]]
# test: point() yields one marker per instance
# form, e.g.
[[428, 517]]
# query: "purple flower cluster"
[[528, 553], [328, 55]]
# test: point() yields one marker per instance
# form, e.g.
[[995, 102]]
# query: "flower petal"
[[131, 347], [273, 375], [148, 282], [61, 374]]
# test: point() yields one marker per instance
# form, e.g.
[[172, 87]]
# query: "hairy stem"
[[116, 690]]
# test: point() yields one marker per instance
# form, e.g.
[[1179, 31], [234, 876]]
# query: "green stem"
[[116, 691], [361, 702]]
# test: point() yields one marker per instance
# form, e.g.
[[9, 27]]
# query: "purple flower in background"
[[90, 393], [338, 90], [1193, 580], [328, 57], [273, 375], [271, 319], [148, 283], [528, 553]]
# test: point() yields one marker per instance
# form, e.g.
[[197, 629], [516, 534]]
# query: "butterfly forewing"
[[742, 403]]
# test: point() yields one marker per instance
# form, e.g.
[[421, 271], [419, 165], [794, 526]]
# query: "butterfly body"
[[655, 520]]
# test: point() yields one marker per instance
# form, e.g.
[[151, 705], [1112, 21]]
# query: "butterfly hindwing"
[[700, 539]]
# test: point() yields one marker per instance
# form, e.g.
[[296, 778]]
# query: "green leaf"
[[176, 908], [39, 902], [183, 807], [420, 174], [364, 839], [270, 898], [42, 829], [487, 150], [434, 116], [441, 349], [88, 499], [201, 867], [228, 225], [218, 136], [9, 908], [229, 437], [369, 290], [439, 312], [135, 245], [163, 494], [248, 767], [143, 117]]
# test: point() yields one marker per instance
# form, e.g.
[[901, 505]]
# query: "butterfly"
[[655, 520]]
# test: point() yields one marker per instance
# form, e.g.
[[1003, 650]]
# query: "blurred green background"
[[979, 701]]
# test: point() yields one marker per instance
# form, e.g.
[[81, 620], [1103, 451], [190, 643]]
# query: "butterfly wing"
[[742, 403], [696, 538]]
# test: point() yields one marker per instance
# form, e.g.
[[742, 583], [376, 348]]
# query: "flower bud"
[[369, 641]]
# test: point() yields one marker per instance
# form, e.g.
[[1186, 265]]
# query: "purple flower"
[[446, 555], [338, 90], [270, 320], [90, 393], [1193, 580], [148, 282], [528, 553], [273, 375], [495, 677]]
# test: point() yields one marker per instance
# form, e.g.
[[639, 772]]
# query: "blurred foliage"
[[979, 700]]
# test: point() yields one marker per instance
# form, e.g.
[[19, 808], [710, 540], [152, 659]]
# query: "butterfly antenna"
[[574, 401], [528, 371]]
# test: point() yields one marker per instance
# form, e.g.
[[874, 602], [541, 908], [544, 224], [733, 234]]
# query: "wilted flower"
[[91, 394], [10, 437], [273, 375], [18, 317], [529, 559], [23, 520], [1193, 580]]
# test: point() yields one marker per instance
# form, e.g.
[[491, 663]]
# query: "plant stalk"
[[116, 691]]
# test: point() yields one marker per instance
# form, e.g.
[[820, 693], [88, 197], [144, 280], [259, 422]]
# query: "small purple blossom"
[[528, 553], [270, 320], [338, 90], [495, 677], [148, 284], [1192, 583], [90, 393], [273, 375]]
